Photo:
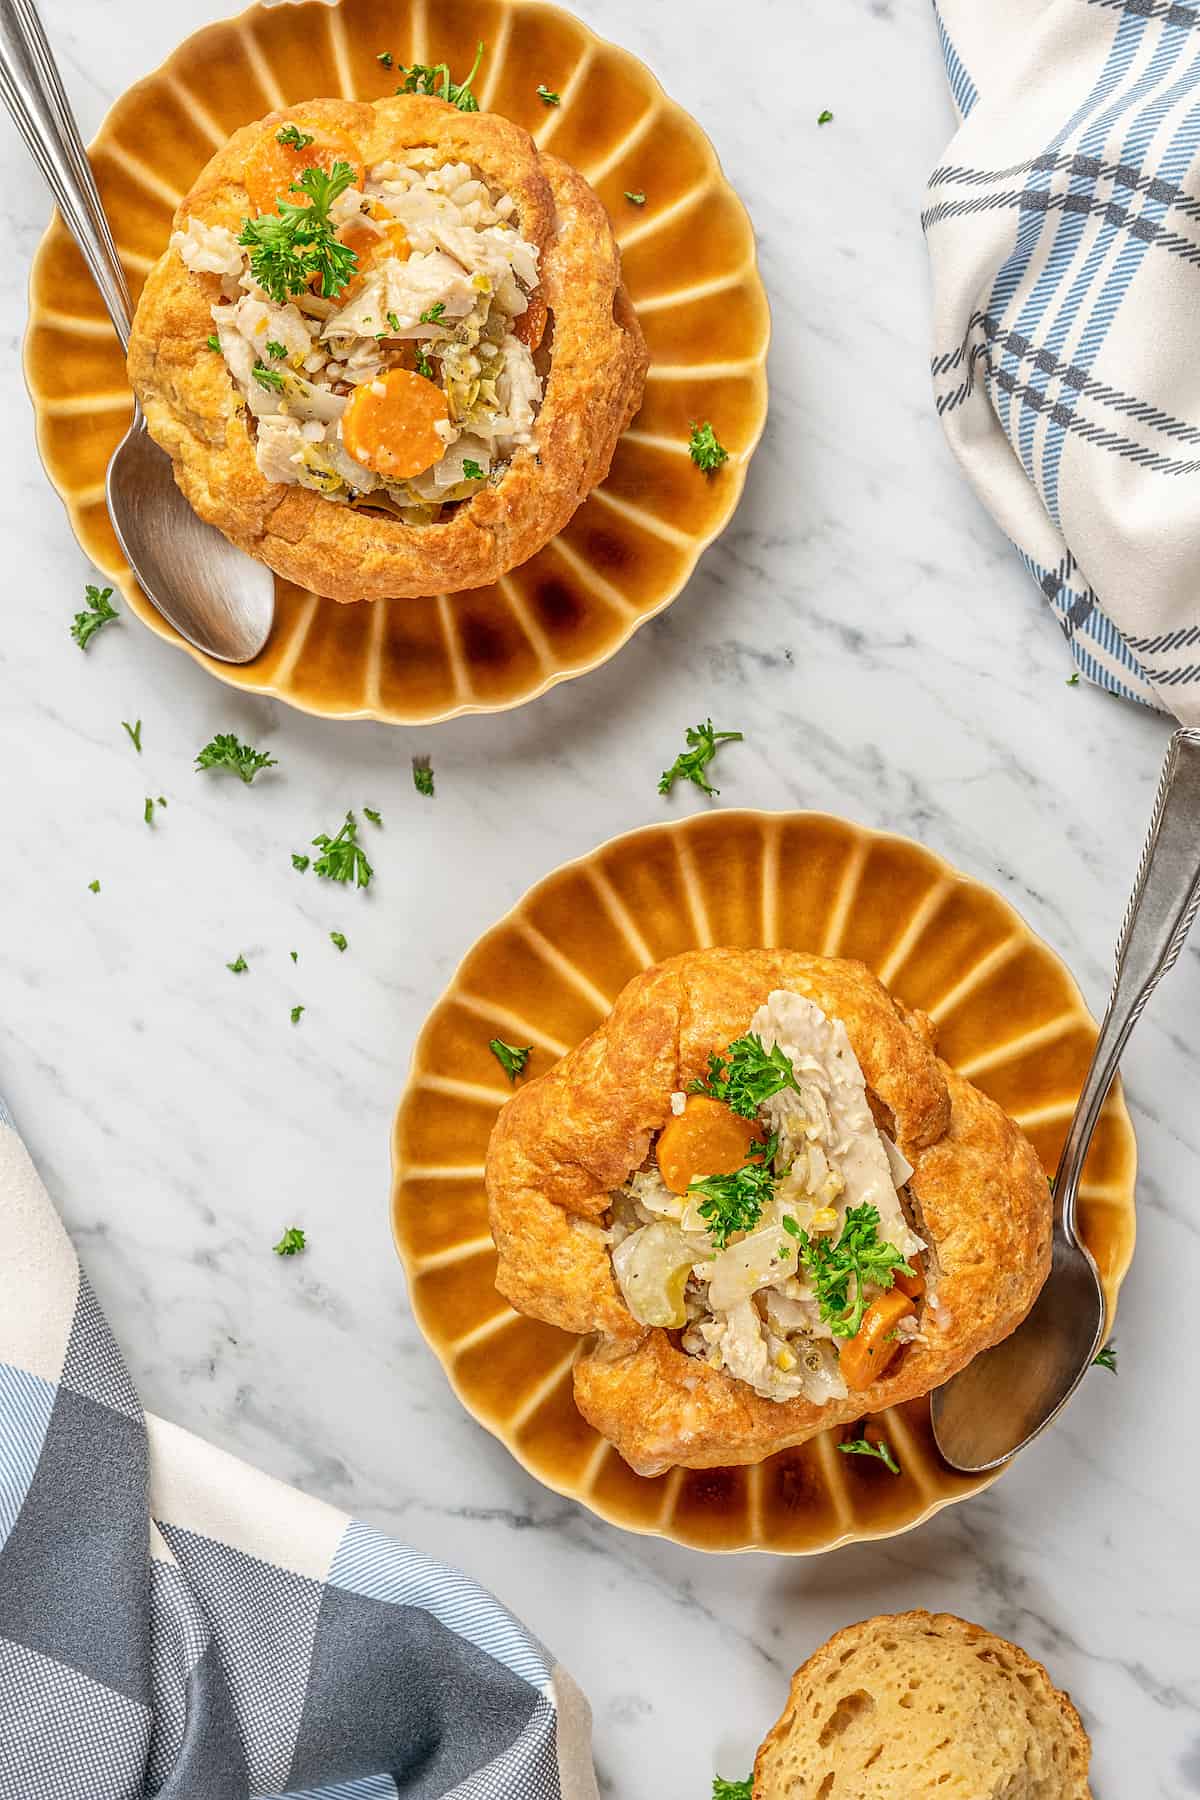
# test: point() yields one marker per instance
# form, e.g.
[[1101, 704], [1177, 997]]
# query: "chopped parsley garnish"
[[93, 887], [296, 1014], [299, 862], [471, 470], [1107, 1358], [369, 812], [385, 57], [422, 770], [238, 966], [704, 450], [548, 96], [431, 316], [865, 1446], [224, 752], [97, 613], [276, 351], [841, 1272], [746, 1075], [135, 734], [511, 1059], [294, 245], [214, 342], [825, 117], [1073, 680], [692, 762], [733, 1790], [293, 137], [267, 378], [424, 78], [424, 366], [295, 955], [148, 810], [638, 199], [338, 939], [393, 322], [291, 1243], [342, 858], [735, 1202]]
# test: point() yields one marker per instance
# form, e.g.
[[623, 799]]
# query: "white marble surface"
[[180, 1120]]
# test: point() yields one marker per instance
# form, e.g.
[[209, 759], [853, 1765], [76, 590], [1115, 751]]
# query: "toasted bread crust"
[[564, 1142], [592, 389]]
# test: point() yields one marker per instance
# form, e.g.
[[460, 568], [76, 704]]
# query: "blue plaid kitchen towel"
[[1064, 235], [175, 1623]]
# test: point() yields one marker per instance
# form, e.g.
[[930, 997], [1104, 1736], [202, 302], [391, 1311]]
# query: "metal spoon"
[[1008, 1394], [216, 597]]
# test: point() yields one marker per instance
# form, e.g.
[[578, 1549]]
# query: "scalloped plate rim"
[[758, 815], [150, 617]]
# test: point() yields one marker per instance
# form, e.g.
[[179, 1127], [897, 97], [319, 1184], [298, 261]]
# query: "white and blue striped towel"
[[1064, 234], [174, 1623]]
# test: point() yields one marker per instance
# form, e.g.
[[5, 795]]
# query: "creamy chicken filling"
[[782, 1268], [442, 283]]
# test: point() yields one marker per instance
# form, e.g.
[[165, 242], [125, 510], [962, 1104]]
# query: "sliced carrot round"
[[393, 431], [530, 326], [866, 1356], [706, 1138], [272, 167]]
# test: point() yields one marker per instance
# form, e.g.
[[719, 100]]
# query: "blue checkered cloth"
[[174, 1623], [1063, 227]]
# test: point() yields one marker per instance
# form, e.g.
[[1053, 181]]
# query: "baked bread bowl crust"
[[833, 1690], [567, 1139], [591, 391]]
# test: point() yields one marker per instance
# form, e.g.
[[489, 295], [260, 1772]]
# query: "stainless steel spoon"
[[1007, 1395], [216, 597]]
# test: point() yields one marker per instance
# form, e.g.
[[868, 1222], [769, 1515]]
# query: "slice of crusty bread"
[[916, 1705]]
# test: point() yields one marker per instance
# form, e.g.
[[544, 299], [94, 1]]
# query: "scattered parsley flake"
[[638, 199], [214, 342], [148, 810], [471, 470], [865, 1446], [267, 378], [292, 246], [704, 450], [511, 1059], [733, 1790], [293, 138], [825, 117], [746, 1075], [424, 366], [276, 351], [735, 1202], [93, 887], [1107, 1358], [842, 1272], [547, 95], [238, 966], [338, 939], [431, 316], [225, 752], [291, 1243], [1073, 680], [295, 955], [385, 57], [135, 734], [423, 78], [97, 613], [342, 858], [296, 1012], [393, 322], [692, 762], [422, 770], [299, 862], [369, 812]]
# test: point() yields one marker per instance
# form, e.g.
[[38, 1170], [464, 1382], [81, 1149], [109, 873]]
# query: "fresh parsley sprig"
[[291, 1243], [435, 78], [292, 138], [746, 1075], [704, 449], [297, 244], [511, 1059], [342, 857], [859, 1257], [865, 1446], [225, 752], [98, 612], [735, 1202], [691, 763], [732, 1790]]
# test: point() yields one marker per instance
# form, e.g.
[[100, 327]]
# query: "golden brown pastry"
[[864, 1225], [910, 1705], [422, 356]]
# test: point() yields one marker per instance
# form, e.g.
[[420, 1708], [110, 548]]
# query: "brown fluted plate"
[[689, 266], [1008, 1015]]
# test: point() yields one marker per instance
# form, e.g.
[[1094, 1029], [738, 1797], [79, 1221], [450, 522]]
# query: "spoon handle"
[[32, 89], [1161, 908]]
